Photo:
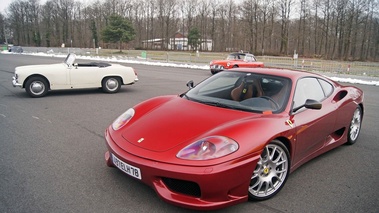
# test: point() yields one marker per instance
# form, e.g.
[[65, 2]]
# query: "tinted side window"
[[328, 88], [307, 88]]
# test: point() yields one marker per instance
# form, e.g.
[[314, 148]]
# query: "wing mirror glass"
[[309, 104], [190, 84], [312, 104]]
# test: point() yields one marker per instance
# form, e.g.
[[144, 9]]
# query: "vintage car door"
[[313, 126], [82, 76]]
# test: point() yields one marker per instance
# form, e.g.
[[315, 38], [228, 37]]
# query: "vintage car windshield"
[[249, 58], [70, 59], [243, 91], [234, 57]]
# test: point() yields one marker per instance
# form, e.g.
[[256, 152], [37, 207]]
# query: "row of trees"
[[331, 29]]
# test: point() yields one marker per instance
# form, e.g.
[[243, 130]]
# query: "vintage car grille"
[[182, 186], [216, 66]]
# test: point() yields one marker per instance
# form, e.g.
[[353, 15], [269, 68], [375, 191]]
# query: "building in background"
[[178, 42]]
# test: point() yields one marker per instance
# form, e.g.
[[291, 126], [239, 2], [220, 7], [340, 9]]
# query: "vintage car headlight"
[[123, 119], [208, 148], [228, 64]]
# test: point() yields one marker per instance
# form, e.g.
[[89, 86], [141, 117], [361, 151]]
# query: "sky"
[[4, 4]]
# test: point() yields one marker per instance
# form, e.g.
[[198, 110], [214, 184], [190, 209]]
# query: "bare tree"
[[342, 29], [2, 29], [285, 11], [203, 13]]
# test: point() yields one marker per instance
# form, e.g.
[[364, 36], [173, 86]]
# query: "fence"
[[203, 58]]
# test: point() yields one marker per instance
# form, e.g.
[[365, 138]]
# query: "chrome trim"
[[15, 82]]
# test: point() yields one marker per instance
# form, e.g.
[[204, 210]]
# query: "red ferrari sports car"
[[234, 60], [235, 136]]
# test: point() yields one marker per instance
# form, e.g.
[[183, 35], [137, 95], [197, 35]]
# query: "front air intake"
[[182, 186]]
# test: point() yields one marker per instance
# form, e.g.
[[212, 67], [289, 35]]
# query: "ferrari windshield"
[[243, 91]]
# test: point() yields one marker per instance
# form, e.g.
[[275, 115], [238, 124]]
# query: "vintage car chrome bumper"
[[217, 67], [15, 82]]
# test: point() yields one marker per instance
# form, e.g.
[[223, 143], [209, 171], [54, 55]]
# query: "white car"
[[39, 79]]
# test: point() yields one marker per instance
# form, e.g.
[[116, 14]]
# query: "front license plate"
[[128, 169]]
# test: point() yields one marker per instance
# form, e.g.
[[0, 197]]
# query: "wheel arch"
[[112, 76], [286, 142], [36, 75], [363, 111]]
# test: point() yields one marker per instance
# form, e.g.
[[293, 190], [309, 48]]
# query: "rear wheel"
[[271, 172], [111, 84], [36, 87], [355, 126]]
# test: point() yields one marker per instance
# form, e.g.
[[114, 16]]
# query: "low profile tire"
[[36, 87], [271, 172], [355, 126], [111, 84]]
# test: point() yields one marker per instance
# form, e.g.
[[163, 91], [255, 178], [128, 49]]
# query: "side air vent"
[[340, 96]]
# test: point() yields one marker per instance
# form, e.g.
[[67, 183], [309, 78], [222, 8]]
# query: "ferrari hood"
[[175, 122]]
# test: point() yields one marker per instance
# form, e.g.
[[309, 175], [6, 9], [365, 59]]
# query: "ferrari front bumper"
[[194, 187]]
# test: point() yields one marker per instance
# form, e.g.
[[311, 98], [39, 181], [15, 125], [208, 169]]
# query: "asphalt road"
[[52, 152]]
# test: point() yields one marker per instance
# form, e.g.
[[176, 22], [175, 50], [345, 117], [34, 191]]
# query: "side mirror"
[[309, 104], [190, 84], [312, 104]]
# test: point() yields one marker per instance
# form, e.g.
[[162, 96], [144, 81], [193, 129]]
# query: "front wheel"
[[111, 84], [36, 87], [355, 126], [271, 172]]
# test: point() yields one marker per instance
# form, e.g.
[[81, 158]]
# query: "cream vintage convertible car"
[[39, 79]]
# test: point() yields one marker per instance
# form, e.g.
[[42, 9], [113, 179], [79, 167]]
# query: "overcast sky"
[[4, 4]]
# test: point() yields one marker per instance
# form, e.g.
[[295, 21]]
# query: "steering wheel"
[[272, 101]]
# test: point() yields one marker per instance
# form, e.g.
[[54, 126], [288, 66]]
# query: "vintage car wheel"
[[36, 87], [355, 126], [111, 84], [271, 172]]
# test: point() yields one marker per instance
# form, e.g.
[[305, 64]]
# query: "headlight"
[[123, 119], [208, 148], [228, 64]]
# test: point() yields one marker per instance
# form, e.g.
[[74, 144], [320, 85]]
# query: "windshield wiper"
[[185, 96], [218, 104]]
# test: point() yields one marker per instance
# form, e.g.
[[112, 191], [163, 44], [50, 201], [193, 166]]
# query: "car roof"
[[237, 53]]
